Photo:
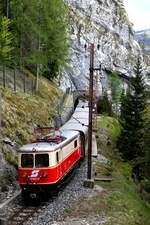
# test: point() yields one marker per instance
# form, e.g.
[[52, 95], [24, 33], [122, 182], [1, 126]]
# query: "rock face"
[[104, 23], [143, 37]]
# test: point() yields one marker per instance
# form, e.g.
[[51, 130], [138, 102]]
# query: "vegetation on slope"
[[119, 200], [22, 112], [133, 142], [124, 200]]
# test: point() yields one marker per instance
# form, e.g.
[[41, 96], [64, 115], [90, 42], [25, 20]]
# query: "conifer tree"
[[104, 105], [5, 41], [19, 13], [133, 105], [5, 7], [56, 46], [145, 160], [40, 35]]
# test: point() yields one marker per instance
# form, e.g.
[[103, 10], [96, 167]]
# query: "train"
[[47, 160]]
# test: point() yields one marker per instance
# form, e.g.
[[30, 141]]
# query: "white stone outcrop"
[[104, 23]]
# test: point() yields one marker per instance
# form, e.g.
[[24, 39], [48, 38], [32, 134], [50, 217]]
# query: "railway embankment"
[[20, 114]]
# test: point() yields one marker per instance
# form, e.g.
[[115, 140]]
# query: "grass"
[[110, 125], [120, 200], [22, 112], [124, 205], [102, 170]]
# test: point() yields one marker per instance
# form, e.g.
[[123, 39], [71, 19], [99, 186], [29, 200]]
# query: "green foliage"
[[131, 141], [115, 87], [39, 29], [4, 7], [102, 170], [109, 125], [23, 112], [104, 105], [56, 46], [145, 159], [119, 200], [5, 40], [12, 159], [19, 29], [125, 204]]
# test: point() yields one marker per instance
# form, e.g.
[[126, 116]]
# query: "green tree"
[[21, 31], [133, 105], [5, 7], [40, 35], [144, 161], [56, 44], [5, 41], [104, 105]]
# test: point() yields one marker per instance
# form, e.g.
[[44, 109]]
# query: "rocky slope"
[[104, 23]]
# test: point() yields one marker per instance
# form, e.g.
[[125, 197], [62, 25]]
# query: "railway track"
[[52, 209], [23, 212], [22, 215]]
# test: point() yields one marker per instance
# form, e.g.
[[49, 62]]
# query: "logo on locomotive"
[[34, 173]]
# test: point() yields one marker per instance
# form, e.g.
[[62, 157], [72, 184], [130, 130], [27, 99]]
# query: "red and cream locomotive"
[[47, 160]]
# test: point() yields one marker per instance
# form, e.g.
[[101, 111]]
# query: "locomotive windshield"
[[27, 160], [41, 160], [37, 160]]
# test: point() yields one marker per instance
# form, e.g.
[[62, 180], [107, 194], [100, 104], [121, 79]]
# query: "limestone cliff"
[[104, 23]]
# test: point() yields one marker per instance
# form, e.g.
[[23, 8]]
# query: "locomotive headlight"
[[24, 174], [44, 175]]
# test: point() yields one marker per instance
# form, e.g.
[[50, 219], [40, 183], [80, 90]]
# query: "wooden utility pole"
[[7, 8], [38, 68], [15, 80], [91, 108], [39, 49], [4, 75], [90, 111]]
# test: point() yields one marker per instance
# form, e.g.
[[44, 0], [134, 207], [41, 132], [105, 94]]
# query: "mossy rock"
[[9, 156]]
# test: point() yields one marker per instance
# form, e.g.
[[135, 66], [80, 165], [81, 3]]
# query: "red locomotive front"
[[45, 162]]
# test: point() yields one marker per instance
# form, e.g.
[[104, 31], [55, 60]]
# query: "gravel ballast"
[[72, 192], [53, 212]]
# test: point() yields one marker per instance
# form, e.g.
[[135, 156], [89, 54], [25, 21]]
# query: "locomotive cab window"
[[27, 160], [75, 143], [41, 160]]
